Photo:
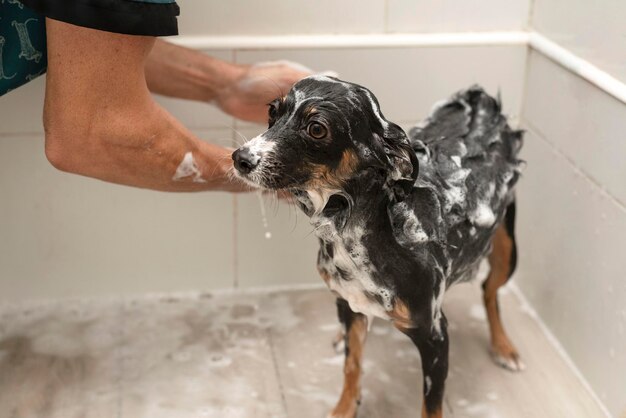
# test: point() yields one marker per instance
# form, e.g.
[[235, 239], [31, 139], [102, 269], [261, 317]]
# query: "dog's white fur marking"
[[188, 168], [355, 262], [376, 111]]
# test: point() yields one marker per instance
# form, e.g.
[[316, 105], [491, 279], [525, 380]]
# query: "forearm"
[[184, 73], [242, 91], [141, 147], [101, 121]]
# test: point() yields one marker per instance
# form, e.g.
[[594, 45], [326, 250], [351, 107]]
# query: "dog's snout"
[[244, 160]]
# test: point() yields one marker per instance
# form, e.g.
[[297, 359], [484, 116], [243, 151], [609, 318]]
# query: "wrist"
[[219, 77]]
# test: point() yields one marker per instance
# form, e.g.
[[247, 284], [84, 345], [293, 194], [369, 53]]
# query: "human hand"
[[247, 96]]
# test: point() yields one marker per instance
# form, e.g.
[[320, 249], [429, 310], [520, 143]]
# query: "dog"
[[400, 218]]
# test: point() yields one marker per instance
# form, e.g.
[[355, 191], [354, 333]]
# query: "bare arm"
[[242, 91], [101, 121]]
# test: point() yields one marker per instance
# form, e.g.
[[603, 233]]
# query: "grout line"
[[386, 16], [531, 13], [235, 201], [44, 303], [120, 360], [19, 134], [553, 340], [279, 380], [525, 84], [579, 170], [235, 242]]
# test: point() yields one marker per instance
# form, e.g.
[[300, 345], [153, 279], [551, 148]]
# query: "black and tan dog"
[[399, 218]]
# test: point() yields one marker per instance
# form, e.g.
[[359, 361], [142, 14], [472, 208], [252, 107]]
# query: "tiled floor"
[[267, 354]]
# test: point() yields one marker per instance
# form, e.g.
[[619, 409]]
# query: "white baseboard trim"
[[538, 42], [352, 41], [578, 66]]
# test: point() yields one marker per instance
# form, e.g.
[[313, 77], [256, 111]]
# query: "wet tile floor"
[[258, 355]]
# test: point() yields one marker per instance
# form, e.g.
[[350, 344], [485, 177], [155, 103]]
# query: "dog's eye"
[[317, 130]]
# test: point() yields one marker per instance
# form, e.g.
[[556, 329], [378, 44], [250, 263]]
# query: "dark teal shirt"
[[23, 32]]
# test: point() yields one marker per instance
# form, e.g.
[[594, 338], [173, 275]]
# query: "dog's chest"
[[345, 263]]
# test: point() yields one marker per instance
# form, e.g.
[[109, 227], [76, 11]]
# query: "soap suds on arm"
[[188, 168]]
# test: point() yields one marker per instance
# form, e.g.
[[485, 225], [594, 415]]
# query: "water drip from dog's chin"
[[268, 234]]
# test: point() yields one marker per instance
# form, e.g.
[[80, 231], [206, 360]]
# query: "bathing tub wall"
[[64, 235], [572, 198]]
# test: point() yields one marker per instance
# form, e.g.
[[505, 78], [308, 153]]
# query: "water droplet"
[[268, 234]]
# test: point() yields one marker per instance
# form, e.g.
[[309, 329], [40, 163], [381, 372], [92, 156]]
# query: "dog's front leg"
[[433, 347], [355, 326]]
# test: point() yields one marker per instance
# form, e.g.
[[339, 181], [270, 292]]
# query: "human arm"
[[242, 91], [101, 121]]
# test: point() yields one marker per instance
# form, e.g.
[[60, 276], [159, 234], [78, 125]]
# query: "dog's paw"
[[509, 360]]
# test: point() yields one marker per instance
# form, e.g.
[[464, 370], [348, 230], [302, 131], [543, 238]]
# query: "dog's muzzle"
[[244, 160]]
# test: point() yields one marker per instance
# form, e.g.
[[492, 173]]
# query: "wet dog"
[[399, 218]]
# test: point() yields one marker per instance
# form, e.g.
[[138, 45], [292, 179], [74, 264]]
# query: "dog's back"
[[468, 162]]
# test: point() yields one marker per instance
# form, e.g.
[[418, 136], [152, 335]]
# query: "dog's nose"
[[245, 162]]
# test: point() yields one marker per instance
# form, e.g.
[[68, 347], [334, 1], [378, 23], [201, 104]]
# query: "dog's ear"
[[404, 166]]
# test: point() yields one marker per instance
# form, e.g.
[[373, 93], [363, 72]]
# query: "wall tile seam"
[[556, 344], [528, 25], [596, 184], [386, 16]]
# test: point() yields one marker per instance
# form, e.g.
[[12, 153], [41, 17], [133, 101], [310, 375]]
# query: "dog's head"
[[323, 134]]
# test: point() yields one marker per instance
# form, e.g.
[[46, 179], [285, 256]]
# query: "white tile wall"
[[21, 111], [408, 81], [572, 222], [274, 17], [585, 123], [571, 265], [594, 30], [456, 15], [63, 235]]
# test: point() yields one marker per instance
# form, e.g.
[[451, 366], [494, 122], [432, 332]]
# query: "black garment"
[[23, 54], [131, 17]]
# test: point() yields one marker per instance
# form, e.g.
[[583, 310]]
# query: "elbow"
[[57, 153], [64, 153]]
